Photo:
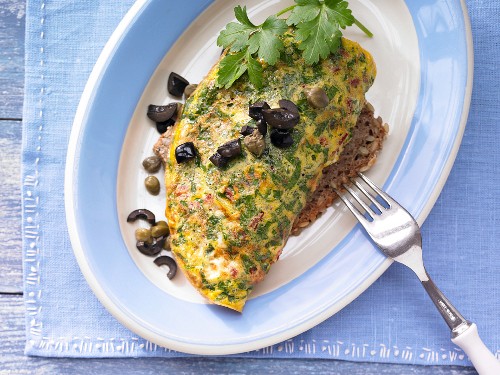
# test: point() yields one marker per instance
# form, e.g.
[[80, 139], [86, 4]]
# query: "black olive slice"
[[169, 262], [161, 113], [281, 138], [163, 126], [281, 118], [151, 249], [288, 104], [230, 149], [141, 213], [246, 130], [262, 127], [255, 110], [218, 160], [185, 152], [176, 84]]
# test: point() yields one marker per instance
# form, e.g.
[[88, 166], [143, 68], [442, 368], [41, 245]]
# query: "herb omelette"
[[228, 226]]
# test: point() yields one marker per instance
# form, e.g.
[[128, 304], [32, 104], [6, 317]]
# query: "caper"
[[317, 97], [166, 244], [152, 185], [188, 91], [255, 143], [143, 234], [152, 164], [159, 230], [162, 223]]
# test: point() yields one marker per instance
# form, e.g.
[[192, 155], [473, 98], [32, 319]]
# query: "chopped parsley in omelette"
[[229, 225]]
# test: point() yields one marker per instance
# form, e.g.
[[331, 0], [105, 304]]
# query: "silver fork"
[[397, 235]]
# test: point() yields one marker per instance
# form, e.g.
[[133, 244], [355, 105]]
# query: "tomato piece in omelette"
[[229, 225]]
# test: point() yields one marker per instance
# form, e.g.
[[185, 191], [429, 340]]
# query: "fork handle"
[[450, 314], [482, 359], [463, 333]]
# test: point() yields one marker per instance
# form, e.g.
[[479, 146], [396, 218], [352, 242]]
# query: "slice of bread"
[[358, 156]]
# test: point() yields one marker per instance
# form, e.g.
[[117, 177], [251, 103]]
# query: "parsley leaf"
[[266, 41], [254, 70], [235, 36], [232, 67], [306, 10], [263, 40], [318, 25], [343, 15], [246, 42], [242, 16]]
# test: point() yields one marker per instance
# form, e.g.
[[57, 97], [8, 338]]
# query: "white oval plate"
[[422, 89]]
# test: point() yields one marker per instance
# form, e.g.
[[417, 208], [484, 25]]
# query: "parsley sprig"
[[317, 27]]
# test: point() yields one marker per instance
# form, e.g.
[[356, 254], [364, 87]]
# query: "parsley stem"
[[363, 28], [285, 10]]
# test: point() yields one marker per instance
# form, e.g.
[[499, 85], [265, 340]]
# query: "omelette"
[[229, 225]]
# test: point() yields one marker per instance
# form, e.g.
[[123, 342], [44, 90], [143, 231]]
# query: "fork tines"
[[372, 200]]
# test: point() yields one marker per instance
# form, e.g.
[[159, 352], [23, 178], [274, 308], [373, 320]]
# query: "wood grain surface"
[[12, 320], [12, 18], [10, 207]]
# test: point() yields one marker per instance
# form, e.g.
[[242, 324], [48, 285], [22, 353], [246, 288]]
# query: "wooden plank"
[[12, 17], [13, 361], [10, 207]]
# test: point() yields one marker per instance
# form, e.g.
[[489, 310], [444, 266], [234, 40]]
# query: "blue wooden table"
[[12, 321]]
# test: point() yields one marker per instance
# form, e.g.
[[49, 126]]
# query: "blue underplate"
[[423, 51]]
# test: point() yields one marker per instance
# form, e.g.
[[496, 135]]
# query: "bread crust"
[[358, 156]]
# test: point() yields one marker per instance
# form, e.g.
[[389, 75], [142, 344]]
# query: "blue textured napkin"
[[393, 321]]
